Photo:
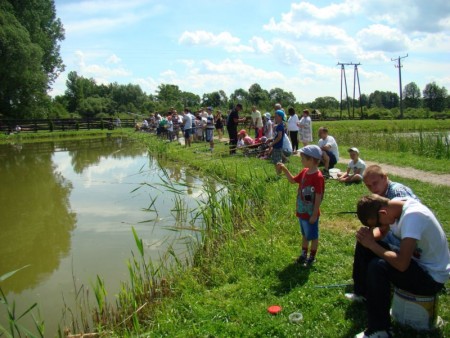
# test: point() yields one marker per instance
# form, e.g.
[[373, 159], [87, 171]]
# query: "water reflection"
[[67, 209], [36, 216]]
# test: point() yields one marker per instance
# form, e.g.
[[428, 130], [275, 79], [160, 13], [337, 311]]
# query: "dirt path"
[[437, 179]]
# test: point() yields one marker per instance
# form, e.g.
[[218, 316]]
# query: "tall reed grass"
[[424, 144]]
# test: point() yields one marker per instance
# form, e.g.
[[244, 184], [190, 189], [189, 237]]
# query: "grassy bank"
[[246, 260]]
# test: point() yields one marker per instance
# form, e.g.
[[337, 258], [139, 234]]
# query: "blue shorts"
[[209, 135], [310, 231], [187, 133], [276, 155]]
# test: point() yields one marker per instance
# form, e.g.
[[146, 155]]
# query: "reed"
[[16, 329]]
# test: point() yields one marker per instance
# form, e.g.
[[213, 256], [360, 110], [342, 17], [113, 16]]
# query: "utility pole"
[[344, 79], [399, 66]]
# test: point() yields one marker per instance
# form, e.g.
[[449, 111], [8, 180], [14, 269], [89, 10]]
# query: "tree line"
[[30, 61]]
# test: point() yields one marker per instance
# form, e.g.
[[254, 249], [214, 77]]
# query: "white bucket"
[[334, 172], [419, 312]]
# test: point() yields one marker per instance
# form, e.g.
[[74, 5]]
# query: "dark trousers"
[[376, 285], [293, 135], [232, 133]]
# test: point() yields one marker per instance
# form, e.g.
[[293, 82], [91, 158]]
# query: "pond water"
[[67, 210]]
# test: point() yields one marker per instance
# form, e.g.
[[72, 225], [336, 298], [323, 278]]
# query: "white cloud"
[[381, 37], [113, 59], [207, 38], [411, 15], [261, 45], [100, 73], [305, 10], [104, 15]]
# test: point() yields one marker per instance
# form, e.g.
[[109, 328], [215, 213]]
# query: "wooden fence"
[[35, 125]]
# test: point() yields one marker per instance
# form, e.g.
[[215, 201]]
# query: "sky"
[[204, 46]]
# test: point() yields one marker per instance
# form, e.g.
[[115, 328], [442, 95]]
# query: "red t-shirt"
[[309, 185]]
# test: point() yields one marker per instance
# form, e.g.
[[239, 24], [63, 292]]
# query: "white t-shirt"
[[256, 119], [292, 123], [329, 140], [419, 222], [360, 164]]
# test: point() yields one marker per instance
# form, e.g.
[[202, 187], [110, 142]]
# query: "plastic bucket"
[[419, 312], [334, 171]]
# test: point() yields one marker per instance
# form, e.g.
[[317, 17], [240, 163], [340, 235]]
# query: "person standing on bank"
[[293, 128], [232, 125], [305, 128], [421, 266]]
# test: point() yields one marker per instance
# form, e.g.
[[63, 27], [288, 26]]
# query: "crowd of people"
[[400, 242]]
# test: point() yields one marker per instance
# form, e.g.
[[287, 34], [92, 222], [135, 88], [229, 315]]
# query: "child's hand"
[[280, 166], [312, 219]]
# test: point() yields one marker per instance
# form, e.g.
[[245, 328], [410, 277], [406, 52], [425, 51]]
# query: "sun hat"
[[242, 132], [312, 151], [281, 114], [353, 149], [267, 115]]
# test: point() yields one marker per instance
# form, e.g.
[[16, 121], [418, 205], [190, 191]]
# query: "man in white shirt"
[[421, 266], [257, 122], [330, 151]]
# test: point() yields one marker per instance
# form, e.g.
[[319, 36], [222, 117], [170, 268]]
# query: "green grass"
[[246, 264]]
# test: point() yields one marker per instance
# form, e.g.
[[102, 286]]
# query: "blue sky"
[[204, 46]]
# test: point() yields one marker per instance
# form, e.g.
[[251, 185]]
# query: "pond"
[[67, 212]]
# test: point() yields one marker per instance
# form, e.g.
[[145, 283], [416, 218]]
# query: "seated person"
[[330, 151], [355, 168], [244, 139], [421, 266]]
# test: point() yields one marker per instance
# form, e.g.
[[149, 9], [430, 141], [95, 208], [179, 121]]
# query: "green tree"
[[411, 95], [168, 94], [29, 43], [78, 89], [434, 97], [278, 95], [325, 102], [190, 99], [211, 99], [238, 96], [257, 95]]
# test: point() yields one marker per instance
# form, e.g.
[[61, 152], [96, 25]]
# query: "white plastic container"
[[419, 312], [334, 172]]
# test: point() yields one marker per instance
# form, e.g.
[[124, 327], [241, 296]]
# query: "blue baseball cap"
[[312, 151], [281, 114]]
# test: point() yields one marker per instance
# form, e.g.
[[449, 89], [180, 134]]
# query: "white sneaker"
[[375, 334], [354, 297]]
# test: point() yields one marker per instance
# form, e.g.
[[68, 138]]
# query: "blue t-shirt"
[[279, 129]]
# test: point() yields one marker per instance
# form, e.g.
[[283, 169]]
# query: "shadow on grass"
[[290, 277]]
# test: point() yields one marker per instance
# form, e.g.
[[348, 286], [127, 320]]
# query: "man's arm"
[[400, 260]]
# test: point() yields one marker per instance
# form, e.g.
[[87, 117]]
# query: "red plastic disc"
[[274, 309]]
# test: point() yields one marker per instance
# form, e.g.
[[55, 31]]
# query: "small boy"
[[355, 168], [311, 188]]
